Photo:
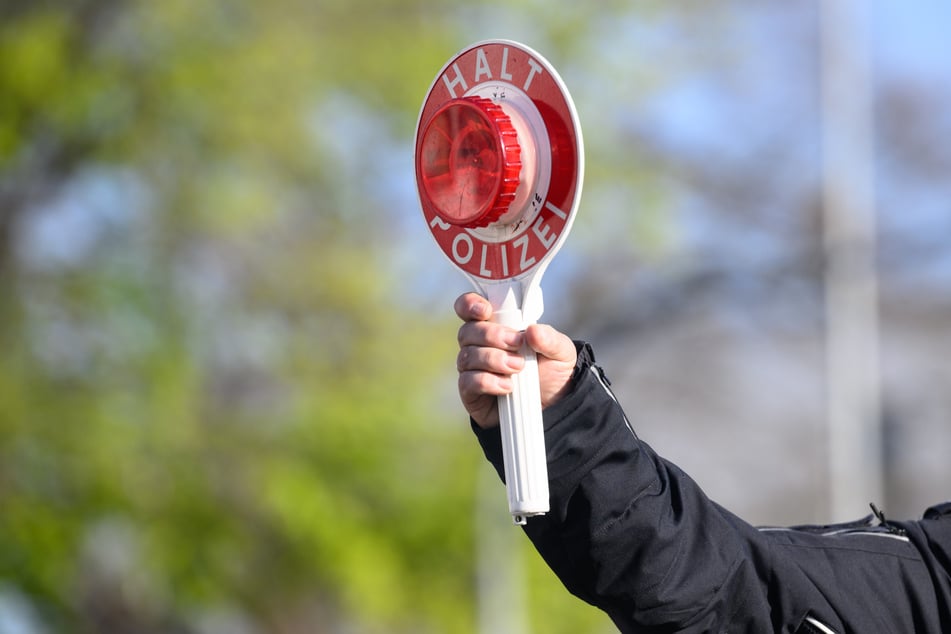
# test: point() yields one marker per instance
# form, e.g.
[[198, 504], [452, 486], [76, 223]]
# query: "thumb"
[[550, 343], [556, 360]]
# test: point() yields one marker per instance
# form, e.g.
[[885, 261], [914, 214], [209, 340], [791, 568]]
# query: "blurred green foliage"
[[214, 398]]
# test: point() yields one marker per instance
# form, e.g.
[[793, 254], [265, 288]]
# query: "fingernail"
[[479, 310]]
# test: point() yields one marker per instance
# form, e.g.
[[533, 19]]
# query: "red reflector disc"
[[469, 162]]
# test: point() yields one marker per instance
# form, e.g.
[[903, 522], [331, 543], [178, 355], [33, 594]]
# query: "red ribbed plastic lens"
[[464, 164]]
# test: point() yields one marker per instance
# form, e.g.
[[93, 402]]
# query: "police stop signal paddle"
[[499, 166]]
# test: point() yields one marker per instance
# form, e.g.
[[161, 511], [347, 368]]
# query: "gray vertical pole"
[[500, 602], [852, 339]]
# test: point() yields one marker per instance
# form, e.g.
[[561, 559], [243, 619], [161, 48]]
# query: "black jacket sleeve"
[[632, 534]]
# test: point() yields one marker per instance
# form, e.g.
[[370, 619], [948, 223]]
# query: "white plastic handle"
[[523, 434]]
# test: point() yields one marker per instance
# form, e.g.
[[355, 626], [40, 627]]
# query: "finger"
[[472, 307], [485, 359], [550, 343], [489, 335], [474, 385], [479, 393]]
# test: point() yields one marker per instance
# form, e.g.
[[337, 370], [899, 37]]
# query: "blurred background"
[[227, 387]]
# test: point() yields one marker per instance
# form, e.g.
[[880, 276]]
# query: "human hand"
[[489, 354]]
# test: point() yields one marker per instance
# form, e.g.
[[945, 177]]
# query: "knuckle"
[[462, 359]]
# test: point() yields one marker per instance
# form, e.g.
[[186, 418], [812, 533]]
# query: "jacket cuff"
[[584, 424], [491, 439]]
